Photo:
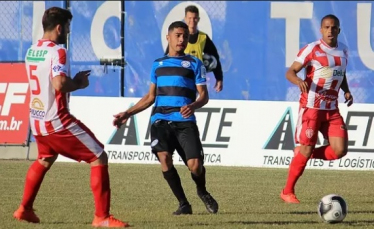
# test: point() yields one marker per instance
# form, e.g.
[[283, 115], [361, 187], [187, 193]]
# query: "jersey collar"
[[328, 46]]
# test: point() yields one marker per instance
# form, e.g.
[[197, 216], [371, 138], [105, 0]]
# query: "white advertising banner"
[[233, 133]]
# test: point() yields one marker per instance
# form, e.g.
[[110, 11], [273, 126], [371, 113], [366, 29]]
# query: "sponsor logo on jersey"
[[37, 109]]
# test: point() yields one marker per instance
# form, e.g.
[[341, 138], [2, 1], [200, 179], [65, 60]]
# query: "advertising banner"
[[233, 133], [14, 103]]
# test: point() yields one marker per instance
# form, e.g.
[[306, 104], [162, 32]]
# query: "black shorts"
[[167, 136]]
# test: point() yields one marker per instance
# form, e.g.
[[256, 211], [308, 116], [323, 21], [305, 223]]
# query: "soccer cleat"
[[296, 150], [109, 221], [27, 215], [185, 209], [210, 203], [289, 198]]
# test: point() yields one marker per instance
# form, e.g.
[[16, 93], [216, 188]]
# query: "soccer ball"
[[210, 62], [332, 208]]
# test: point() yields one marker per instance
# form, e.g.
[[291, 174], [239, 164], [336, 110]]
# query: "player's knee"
[[101, 160], [306, 150], [340, 147], [166, 160], [194, 166], [340, 151], [48, 161]]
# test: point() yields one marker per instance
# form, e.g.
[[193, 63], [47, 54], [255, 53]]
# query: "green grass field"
[[248, 197]]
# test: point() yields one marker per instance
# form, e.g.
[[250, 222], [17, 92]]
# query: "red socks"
[[100, 186], [99, 183], [34, 178], [297, 167], [299, 162], [324, 153]]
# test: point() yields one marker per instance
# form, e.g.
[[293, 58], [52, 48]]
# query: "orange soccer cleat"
[[289, 198], [109, 221], [26, 215]]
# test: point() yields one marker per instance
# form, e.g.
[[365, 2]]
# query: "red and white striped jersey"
[[325, 69], [49, 109]]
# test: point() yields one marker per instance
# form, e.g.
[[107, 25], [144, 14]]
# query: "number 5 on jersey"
[[34, 91]]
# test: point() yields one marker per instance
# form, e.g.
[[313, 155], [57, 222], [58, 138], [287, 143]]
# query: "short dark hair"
[[191, 9], [333, 17], [177, 24], [55, 16]]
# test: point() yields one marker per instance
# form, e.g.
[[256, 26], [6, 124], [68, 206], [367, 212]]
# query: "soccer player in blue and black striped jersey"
[[176, 79]]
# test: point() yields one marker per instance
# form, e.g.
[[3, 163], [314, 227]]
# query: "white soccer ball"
[[332, 208], [210, 62]]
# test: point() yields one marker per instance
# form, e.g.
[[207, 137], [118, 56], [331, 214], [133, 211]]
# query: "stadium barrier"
[[233, 133]]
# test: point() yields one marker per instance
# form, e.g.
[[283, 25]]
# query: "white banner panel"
[[274, 136], [233, 133]]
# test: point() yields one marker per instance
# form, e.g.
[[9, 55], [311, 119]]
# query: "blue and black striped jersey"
[[176, 79]]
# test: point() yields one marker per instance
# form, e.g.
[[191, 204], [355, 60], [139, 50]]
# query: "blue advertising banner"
[[257, 42]]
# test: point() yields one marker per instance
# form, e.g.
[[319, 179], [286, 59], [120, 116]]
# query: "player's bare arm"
[[145, 102], [140, 106], [203, 99], [291, 76], [347, 94], [67, 84]]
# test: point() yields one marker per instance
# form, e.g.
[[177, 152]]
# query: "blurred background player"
[[56, 131], [325, 63], [199, 43], [176, 79]]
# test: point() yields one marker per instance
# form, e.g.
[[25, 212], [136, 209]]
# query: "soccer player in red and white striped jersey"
[[55, 129], [325, 63]]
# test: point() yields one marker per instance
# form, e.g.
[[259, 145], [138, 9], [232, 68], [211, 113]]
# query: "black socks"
[[200, 182], [174, 181]]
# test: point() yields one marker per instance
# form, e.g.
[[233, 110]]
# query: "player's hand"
[[82, 79], [219, 86], [348, 98], [120, 118], [187, 111], [303, 86]]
